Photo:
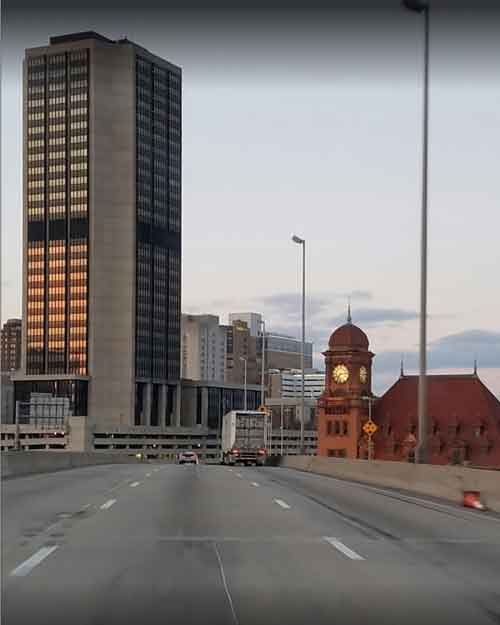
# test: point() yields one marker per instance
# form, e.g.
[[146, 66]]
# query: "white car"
[[188, 457]]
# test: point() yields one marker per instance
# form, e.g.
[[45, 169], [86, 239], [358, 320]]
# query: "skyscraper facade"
[[102, 229]]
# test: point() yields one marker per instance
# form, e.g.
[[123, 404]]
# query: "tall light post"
[[263, 357], [262, 381], [244, 384], [302, 242], [421, 456]]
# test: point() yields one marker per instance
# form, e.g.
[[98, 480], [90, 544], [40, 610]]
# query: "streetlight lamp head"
[[415, 5], [297, 239]]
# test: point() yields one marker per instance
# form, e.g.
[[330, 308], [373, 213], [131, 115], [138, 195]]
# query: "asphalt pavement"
[[160, 543]]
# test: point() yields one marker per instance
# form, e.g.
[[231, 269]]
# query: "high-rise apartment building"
[[253, 321], [203, 348], [102, 229], [288, 384], [11, 345], [284, 352], [240, 349]]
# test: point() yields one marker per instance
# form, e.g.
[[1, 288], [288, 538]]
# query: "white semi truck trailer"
[[245, 436]]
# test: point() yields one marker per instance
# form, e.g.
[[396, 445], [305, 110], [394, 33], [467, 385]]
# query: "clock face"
[[340, 374], [363, 374]]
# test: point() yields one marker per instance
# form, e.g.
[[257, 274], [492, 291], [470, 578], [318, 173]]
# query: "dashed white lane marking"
[[343, 548], [134, 484], [228, 594], [156, 470], [87, 505], [230, 470], [108, 504], [282, 503], [254, 483], [28, 565], [239, 475], [148, 474]]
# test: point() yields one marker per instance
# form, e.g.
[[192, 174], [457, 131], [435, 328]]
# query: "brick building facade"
[[463, 415]]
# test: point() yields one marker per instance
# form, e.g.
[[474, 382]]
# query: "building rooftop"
[[91, 34], [87, 34], [451, 398]]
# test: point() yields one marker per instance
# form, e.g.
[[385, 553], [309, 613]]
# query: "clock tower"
[[341, 409]]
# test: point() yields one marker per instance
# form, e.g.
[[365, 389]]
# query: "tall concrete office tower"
[[102, 229]]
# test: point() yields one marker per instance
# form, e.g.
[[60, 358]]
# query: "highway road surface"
[[159, 543]]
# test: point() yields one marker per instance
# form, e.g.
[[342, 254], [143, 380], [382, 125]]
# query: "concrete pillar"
[[204, 407], [80, 434], [146, 404], [162, 406], [177, 404]]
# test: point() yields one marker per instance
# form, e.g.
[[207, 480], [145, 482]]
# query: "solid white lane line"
[[343, 548], [134, 484], [254, 483], [228, 594], [282, 503], [108, 504], [28, 565]]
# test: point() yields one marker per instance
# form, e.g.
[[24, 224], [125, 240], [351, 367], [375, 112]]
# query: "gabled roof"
[[461, 398]]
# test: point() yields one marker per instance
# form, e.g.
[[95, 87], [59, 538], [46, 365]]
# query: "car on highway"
[[188, 457]]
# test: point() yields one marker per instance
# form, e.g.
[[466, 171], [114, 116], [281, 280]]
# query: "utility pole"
[[302, 242], [421, 455]]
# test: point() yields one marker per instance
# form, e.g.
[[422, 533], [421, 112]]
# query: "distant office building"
[[240, 345], [286, 412], [203, 348], [205, 403], [288, 384], [284, 352], [253, 321], [102, 229], [11, 344], [7, 398]]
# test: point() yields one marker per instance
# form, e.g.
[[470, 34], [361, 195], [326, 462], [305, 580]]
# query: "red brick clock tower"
[[341, 411]]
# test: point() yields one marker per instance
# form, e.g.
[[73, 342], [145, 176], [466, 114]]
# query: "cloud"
[[289, 304], [459, 350], [376, 316], [356, 295], [454, 351]]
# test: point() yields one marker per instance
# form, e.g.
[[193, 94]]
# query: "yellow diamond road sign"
[[370, 427]]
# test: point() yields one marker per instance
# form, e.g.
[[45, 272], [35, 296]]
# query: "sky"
[[310, 122]]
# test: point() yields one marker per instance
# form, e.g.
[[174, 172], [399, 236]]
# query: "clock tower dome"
[[341, 408]]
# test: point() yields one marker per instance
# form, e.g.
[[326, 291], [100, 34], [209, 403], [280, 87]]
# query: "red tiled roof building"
[[463, 415]]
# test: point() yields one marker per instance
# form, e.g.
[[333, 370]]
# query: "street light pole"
[[421, 456], [263, 356], [244, 384], [262, 387], [302, 242]]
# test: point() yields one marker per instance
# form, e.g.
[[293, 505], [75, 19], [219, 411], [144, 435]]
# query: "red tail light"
[[235, 451], [262, 452]]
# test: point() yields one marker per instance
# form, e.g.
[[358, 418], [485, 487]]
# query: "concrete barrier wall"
[[447, 482], [17, 463]]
